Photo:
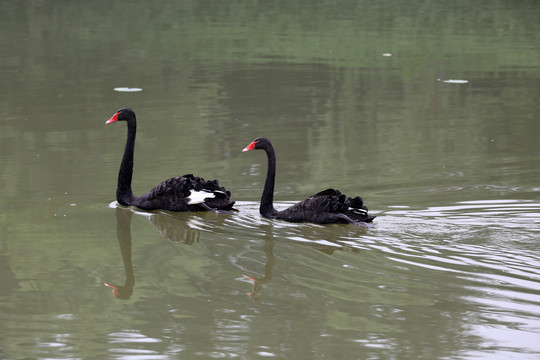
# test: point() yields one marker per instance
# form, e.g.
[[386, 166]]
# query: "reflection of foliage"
[[316, 69], [322, 32], [347, 117], [351, 34]]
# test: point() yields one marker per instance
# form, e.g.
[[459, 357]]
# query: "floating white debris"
[[387, 54], [454, 81], [65, 316], [127, 89]]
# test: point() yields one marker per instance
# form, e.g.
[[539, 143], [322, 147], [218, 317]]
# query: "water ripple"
[[474, 263]]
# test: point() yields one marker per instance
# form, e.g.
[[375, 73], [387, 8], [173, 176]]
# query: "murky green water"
[[428, 109]]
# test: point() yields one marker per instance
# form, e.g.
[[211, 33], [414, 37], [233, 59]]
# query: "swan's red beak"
[[250, 147], [112, 119]]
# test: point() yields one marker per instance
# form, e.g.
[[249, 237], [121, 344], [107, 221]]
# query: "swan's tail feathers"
[[358, 211], [222, 197], [221, 201], [328, 192], [209, 193], [356, 203]]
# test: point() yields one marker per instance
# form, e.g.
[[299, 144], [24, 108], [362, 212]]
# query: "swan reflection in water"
[[168, 226], [258, 282], [177, 230], [310, 236], [181, 228], [123, 232]]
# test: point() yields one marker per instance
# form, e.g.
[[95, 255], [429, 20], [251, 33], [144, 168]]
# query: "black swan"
[[182, 193], [326, 207]]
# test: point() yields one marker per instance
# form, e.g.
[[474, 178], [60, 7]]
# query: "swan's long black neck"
[[267, 199], [124, 194]]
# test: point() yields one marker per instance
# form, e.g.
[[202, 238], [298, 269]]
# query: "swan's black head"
[[258, 143], [124, 114]]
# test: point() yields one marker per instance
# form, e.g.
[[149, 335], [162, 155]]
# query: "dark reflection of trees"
[[168, 226]]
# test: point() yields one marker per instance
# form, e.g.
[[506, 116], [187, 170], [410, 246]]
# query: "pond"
[[426, 109]]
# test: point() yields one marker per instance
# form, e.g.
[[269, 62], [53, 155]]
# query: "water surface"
[[426, 109]]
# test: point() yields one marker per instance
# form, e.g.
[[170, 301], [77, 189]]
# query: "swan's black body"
[[182, 193], [326, 207]]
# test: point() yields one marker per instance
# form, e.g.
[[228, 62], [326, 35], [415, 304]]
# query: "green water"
[[427, 109]]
